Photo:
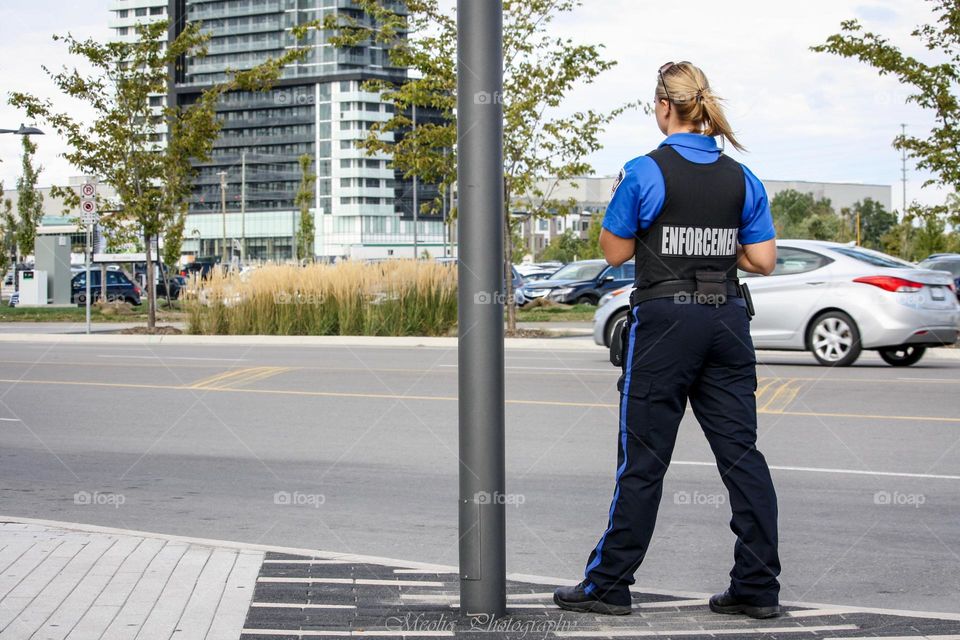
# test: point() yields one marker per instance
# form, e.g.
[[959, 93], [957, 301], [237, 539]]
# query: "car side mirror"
[[607, 279]]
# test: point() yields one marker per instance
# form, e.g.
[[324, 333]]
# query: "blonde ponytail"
[[688, 89]]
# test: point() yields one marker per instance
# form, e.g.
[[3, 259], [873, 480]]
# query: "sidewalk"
[[60, 583], [82, 582]]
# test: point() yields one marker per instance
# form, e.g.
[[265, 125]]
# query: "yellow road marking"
[[237, 377], [764, 386], [389, 396], [784, 393]]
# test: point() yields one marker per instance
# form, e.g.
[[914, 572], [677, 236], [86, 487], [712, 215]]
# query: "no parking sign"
[[88, 203]]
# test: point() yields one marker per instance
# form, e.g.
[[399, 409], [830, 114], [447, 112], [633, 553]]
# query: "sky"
[[802, 115]]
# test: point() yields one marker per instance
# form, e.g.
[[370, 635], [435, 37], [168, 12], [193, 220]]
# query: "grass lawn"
[[78, 314], [559, 313]]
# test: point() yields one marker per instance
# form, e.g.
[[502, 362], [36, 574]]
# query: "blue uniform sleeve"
[[756, 222], [637, 199]]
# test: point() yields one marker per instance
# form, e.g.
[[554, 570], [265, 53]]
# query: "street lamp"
[[22, 131]]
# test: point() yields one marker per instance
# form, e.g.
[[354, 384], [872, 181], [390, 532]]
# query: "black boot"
[[577, 599], [726, 603]]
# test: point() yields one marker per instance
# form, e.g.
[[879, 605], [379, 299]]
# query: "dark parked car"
[[119, 288], [583, 282], [177, 281], [945, 262], [201, 267], [517, 278], [177, 284]]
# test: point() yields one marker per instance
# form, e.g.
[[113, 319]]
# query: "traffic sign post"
[[88, 217]]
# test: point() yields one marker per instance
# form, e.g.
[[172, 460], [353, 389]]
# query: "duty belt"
[[687, 292]]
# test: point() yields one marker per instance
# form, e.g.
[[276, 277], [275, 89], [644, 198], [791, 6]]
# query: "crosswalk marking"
[[610, 632], [354, 581], [301, 605]]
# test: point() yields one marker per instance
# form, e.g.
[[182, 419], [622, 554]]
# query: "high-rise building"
[[362, 208]]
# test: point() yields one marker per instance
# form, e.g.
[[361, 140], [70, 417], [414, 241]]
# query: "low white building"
[[591, 195]]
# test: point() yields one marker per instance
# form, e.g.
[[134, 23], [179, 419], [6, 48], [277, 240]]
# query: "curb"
[[437, 568], [558, 343], [281, 341]]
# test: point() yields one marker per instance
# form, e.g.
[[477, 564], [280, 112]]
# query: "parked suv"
[[119, 287], [583, 282], [949, 262]]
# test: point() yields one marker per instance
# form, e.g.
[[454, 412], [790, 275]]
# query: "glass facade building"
[[362, 207]]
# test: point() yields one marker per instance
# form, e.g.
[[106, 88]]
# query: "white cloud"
[[802, 115], [25, 47]]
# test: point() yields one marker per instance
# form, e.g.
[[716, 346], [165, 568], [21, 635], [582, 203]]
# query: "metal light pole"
[[480, 355], [223, 213], [243, 207], [416, 199]]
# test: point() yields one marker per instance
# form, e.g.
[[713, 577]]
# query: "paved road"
[[353, 449]]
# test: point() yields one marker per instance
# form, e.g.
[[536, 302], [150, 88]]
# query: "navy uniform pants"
[[704, 353]]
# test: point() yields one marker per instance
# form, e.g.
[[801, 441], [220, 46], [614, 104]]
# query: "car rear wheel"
[[902, 356], [614, 324], [834, 339]]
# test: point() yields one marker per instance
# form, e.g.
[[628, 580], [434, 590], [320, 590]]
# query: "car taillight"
[[136, 289], [892, 283]]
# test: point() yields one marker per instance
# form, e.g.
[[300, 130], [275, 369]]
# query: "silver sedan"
[[836, 300]]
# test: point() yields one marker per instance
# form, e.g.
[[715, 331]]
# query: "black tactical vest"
[[698, 225]]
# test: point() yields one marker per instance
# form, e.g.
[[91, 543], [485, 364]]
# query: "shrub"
[[393, 298]]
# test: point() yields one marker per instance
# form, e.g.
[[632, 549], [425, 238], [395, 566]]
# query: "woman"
[[690, 216]]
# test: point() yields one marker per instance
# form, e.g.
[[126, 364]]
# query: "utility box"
[[33, 288], [53, 256]]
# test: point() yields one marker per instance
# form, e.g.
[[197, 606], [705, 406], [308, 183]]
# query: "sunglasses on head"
[[663, 69]]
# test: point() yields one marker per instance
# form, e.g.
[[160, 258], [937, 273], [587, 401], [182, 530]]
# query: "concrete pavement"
[[353, 448], [69, 584], [78, 582]]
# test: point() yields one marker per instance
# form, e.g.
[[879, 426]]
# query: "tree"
[[29, 201], [591, 249], [566, 247], [929, 236], [8, 244], [875, 222], [121, 146], [935, 85], [800, 215], [304, 198], [542, 149]]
